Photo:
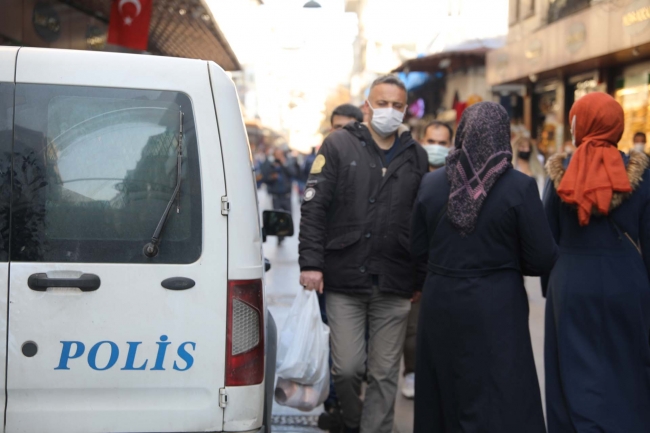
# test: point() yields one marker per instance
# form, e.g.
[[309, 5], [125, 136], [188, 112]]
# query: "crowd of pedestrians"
[[422, 247]]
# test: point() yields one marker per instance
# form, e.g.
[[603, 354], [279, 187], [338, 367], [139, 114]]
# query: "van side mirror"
[[277, 223]]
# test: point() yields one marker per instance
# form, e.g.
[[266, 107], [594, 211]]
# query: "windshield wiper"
[[151, 249]]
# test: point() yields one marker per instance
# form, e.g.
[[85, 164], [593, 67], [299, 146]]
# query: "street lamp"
[[312, 4]]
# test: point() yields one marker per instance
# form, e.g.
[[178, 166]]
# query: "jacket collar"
[[635, 164]]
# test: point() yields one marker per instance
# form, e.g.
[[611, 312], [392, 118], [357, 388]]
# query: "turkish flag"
[[129, 23]]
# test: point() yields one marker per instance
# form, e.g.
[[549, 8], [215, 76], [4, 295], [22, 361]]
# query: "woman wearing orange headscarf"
[[597, 348]]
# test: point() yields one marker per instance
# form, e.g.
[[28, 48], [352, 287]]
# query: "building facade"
[[560, 50]]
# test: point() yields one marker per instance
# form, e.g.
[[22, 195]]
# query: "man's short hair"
[[439, 124], [347, 110], [640, 134], [388, 79]]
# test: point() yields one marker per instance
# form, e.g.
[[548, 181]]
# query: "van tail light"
[[245, 333]]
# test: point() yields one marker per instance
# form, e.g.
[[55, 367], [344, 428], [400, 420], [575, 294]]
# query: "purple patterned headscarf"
[[482, 154]]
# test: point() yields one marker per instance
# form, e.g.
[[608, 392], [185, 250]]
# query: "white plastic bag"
[[303, 349], [302, 397]]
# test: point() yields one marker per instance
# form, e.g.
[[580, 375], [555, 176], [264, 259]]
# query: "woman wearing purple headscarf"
[[480, 227]]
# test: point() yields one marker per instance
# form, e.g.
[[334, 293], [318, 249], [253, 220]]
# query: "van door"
[[7, 71], [121, 304]]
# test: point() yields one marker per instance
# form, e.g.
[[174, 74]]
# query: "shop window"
[[547, 123], [633, 93], [558, 9]]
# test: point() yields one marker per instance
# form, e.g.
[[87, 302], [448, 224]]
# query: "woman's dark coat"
[[597, 348], [475, 370]]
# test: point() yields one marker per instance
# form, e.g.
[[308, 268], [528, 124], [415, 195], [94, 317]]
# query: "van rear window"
[[94, 170], [6, 134]]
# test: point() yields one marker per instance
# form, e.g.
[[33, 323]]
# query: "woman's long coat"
[[597, 344], [475, 371]]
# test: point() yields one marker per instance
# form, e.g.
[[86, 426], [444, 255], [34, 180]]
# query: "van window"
[[94, 171], [6, 136]]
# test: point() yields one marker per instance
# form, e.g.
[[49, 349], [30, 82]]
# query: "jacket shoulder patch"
[[318, 164], [310, 193]]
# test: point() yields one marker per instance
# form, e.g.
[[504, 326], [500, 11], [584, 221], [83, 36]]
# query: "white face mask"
[[385, 121], [639, 147], [437, 154]]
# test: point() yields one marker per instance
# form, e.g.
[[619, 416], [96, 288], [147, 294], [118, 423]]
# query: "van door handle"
[[86, 282]]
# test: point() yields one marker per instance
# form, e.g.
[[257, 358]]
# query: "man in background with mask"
[[640, 141], [354, 244], [437, 141]]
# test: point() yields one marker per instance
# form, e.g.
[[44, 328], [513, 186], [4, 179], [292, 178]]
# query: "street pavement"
[[282, 286]]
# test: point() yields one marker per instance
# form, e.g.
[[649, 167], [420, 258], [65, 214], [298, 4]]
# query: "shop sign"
[[637, 17], [576, 37], [46, 21], [534, 50], [95, 38]]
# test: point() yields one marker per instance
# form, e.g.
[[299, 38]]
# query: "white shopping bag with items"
[[303, 356], [302, 397]]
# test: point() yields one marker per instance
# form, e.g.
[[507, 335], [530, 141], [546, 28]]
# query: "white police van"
[[131, 271]]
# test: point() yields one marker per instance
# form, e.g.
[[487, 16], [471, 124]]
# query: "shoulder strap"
[[626, 234]]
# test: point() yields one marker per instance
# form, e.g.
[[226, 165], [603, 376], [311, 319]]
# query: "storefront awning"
[[178, 28], [448, 61]]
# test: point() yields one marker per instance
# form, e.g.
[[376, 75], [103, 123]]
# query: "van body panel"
[[245, 408], [246, 403], [89, 373], [4, 277], [133, 71], [8, 63], [245, 249]]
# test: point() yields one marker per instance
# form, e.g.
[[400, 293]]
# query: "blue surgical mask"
[[437, 154]]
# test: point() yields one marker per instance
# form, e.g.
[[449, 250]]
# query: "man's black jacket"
[[356, 215]]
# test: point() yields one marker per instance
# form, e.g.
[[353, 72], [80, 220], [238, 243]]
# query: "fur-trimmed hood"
[[636, 164]]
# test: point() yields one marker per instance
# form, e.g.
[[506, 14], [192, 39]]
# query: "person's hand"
[[416, 297], [312, 280]]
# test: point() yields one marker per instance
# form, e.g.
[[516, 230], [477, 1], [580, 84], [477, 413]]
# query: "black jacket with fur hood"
[[598, 309], [635, 166], [626, 225]]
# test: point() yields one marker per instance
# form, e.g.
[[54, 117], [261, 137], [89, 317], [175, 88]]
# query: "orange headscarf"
[[596, 169]]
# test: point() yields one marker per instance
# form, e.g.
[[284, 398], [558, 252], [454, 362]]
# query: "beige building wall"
[[595, 32]]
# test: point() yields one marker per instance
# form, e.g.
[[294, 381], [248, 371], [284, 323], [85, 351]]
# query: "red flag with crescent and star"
[[129, 23]]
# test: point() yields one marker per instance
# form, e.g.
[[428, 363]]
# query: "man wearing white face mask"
[[437, 141], [639, 142], [354, 245]]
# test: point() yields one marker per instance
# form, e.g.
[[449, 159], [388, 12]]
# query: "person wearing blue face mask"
[[437, 140], [354, 245]]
